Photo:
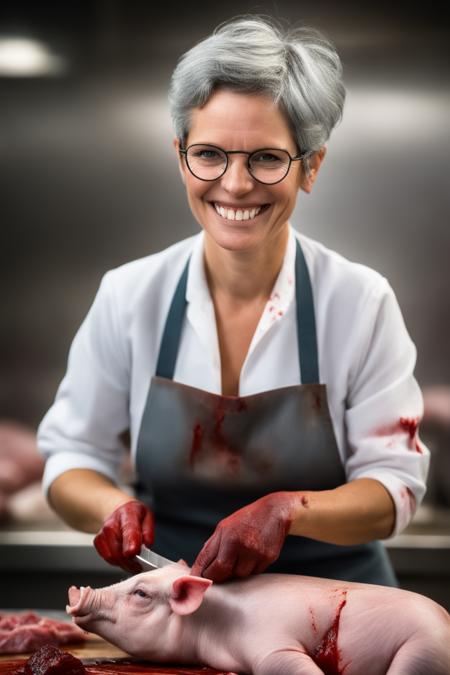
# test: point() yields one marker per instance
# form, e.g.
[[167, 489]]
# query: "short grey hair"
[[298, 68]]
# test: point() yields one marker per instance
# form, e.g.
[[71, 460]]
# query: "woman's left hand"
[[247, 541]]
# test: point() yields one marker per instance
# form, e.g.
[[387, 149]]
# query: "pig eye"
[[140, 593]]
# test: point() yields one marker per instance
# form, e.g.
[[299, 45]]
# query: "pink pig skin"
[[269, 624]]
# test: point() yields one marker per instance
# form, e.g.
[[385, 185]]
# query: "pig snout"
[[87, 606], [74, 597]]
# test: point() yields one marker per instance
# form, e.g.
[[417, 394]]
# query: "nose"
[[236, 180]]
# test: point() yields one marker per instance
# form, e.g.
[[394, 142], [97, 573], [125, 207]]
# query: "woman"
[[266, 381]]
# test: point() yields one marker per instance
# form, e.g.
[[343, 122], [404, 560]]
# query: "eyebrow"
[[250, 152]]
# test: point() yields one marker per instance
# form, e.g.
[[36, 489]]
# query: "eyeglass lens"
[[209, 163]]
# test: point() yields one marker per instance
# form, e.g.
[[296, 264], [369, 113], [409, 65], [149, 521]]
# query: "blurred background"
[[89, 180]]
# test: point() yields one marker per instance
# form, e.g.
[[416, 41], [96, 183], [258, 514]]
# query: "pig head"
[[141, 615]]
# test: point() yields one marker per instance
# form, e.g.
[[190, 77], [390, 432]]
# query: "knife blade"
[[149, 560]]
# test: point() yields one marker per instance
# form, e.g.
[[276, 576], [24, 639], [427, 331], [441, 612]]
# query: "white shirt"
[[366, 359]]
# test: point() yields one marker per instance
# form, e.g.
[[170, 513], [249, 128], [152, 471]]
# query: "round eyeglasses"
[[266, 165]]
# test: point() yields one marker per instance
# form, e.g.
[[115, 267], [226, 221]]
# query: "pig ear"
[[187, 594]]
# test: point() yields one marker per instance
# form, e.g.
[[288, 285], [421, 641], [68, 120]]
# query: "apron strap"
[[168, 350], [306, 325], [306, 322]]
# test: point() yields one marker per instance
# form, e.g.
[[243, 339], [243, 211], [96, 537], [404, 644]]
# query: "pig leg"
[[421, 657], [287, 662]]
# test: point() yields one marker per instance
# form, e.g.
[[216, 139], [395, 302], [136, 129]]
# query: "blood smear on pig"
[[327, 655], [313, 620]]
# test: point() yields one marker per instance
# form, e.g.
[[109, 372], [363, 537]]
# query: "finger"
[[102, 548], [131, 533], [206, 556], [113, 538], [221, 568], [245, 566], [114, 558], [108, 549], [262, 566], [148, 529]]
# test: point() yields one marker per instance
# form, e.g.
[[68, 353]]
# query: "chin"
[[236, 238]]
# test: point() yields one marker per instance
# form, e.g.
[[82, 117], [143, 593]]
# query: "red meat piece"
[[49, 660]]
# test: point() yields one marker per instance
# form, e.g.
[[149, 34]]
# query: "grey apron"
[[202, 456]]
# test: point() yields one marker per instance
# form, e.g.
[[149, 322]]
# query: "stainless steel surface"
[[149, 560]]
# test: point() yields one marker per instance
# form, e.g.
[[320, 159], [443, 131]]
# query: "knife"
[[149, 560]]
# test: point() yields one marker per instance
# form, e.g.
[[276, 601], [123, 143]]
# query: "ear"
[[187, 594], [315, 161], [181, 163]]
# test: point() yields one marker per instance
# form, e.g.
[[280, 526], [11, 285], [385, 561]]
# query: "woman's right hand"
[[123, 533]]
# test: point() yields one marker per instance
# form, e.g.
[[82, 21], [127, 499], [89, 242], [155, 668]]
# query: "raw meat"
[[28, 631], [120, 666], [50, 660]]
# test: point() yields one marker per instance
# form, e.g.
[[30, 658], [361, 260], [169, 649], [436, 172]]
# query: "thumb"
[[131, 530], [207, 554]]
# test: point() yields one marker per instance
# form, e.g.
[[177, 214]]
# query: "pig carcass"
[[268, 624]]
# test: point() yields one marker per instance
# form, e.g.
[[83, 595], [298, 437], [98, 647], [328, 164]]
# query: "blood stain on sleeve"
[[411, 426], [408, 425]]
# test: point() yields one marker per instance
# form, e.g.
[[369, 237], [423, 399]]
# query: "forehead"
[[239, 120]]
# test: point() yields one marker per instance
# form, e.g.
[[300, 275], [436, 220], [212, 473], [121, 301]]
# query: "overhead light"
[[26, 57]]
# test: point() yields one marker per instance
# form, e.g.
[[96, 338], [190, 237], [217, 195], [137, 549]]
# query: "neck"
[[244, 275], [200, 639]]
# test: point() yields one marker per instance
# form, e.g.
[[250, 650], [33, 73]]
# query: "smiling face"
[[235, 211]]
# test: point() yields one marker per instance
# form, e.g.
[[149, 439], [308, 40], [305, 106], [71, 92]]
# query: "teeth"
[[237, 214]]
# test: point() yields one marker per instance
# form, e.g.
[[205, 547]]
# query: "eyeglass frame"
[[184, 151]]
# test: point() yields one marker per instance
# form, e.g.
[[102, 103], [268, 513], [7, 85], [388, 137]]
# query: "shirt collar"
[[282, 293], [197, 286]]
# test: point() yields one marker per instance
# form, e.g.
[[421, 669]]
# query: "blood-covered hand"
[[247, 541], [123, 533]]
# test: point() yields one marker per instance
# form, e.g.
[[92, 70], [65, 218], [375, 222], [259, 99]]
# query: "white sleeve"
[[81, 429], [384, 408]]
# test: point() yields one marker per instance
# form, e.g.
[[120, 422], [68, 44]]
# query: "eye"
[[264, 158], [207, 154], [140, 593]]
